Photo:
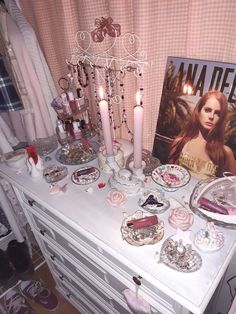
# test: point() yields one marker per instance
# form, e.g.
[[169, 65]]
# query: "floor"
[[42, 273]]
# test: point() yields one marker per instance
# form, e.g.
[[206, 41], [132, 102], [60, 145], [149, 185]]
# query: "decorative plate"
[[208, 188], [142, 236], [171, 176], [85, 175], [153, 201]]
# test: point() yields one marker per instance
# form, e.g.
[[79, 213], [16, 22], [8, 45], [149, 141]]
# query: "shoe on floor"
[[15, 303], [18, 254], [3, 230], [35, 291], [8, 276]]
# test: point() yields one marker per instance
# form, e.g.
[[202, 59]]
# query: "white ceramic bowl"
[[16, 159]]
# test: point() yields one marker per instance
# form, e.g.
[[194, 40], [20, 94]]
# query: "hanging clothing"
[[37, 124], [9, 99], [40, 65], [11, 63]]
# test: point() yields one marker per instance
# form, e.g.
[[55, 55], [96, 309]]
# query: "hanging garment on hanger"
[[9, 99], [38, 124], [35, 52], [11, 63]]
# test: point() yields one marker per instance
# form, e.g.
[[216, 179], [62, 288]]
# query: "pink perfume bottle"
[[72, 102], [77, 130]]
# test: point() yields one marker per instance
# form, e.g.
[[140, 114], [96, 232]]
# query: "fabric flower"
[[180, 218], [116, 198]]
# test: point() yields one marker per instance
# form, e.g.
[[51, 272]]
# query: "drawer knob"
[[137, 280], [53, 257], [31, 202], [42, 232]]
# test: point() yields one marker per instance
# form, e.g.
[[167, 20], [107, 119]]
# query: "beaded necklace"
[[120, 116], [82, 74]]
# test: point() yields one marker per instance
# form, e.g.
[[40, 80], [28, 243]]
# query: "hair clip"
[[178, 256]]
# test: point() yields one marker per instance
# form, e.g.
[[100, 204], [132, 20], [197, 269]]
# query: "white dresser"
[[79, 234]]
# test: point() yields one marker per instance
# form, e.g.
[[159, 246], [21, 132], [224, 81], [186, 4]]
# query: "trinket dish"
[[212, 190], [75, 154], [171, 177], [16, 159], [85, 175], [178, 256], [54, 173], [153, 201], [209, 239], [141, 236]]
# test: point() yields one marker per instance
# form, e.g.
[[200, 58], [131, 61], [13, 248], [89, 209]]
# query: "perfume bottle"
[[69, 128], [66, 105], [77, 130], [87, 121], [72, 102], [61, 133]]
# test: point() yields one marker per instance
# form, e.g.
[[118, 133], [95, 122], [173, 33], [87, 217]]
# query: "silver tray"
[[75, 154], [206, 188]]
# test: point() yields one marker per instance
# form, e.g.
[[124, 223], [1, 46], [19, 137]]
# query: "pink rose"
[[180, 218], [116, 198]]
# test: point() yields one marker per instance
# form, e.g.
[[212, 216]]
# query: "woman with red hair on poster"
[[200, 146]]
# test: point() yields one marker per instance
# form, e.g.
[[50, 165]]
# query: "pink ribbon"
[[105, 27]]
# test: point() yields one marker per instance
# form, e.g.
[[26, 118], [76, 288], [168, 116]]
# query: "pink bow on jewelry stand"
[[104, 26]]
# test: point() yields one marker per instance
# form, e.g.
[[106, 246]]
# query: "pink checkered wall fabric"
[[202, 29]]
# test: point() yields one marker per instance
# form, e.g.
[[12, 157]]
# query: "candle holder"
[[124, 181], [110, 163], [138, 172]]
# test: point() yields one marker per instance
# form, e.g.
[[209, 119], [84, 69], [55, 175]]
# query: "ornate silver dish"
[[75, 154], [178, 256], [207, 188], [142, 236]]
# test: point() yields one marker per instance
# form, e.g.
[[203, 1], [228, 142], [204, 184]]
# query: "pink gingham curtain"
[[199, 29]]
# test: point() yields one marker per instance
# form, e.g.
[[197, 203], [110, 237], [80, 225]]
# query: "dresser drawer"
[[79, 301], [38, 209], [95, 260], [112, 283], [80, 283], [163, 302]]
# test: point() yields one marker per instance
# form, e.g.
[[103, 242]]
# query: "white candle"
[[138, 132], [106, 128]]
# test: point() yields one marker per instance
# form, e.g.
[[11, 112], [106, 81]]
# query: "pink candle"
[[138, 132], [106, 128]]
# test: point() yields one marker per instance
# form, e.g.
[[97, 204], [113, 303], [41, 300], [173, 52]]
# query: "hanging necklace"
[[124, 114], [82, 74]]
